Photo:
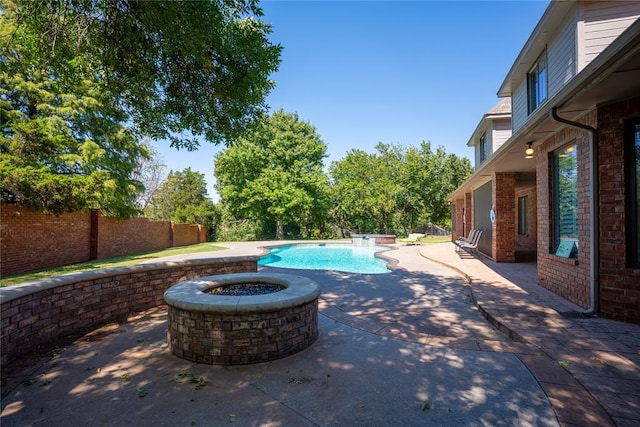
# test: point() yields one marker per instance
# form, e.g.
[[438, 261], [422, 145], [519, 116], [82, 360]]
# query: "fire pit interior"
[[242, 318], [246, 289]]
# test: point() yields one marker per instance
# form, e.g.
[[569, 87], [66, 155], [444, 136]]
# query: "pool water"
[[346, 258]]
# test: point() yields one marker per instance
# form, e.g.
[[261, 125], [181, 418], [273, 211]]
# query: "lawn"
[[118, 261], [435, 239]]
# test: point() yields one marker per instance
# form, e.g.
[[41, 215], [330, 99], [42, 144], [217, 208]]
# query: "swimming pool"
[[346, 258]]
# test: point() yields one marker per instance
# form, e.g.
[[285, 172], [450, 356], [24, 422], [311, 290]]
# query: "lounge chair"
[[471, 245], [462, 239], [412, 239]]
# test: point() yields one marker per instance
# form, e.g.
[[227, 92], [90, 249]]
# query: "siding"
[[561, 55], [561, 67], [604, 21], [501, 132], [519, 105]]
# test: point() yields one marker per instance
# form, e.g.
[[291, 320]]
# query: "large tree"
[[396, 188], [199, 68], [275, 174], [428, 178], [151, 172], [63, 146], [183, 197], [81, 82], [364, 189]]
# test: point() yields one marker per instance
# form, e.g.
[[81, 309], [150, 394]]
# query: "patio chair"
[[472, 245], [412, 239], [462, 239]]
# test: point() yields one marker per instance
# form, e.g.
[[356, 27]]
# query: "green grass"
[[118, 261], [435, 239]]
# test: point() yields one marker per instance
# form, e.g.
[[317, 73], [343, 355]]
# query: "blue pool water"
[[346, 258]]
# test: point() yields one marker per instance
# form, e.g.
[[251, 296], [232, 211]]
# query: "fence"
[[31, 240]]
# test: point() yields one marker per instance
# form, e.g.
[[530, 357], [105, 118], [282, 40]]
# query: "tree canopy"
[[275, 173], [81, 82], [183, 197], [364, 189], [395, 189]]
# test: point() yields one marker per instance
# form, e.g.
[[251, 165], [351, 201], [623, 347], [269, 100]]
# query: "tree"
[[63, 146], [181, 70], [275, 173], [428, 178], [396, 188], [151, 172], [183, 197], [364, 188], [82, 82]]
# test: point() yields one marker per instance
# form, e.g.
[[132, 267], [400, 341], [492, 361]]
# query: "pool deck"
[[408, 348]]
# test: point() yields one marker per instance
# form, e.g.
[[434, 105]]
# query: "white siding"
[[561, 55], [501, 132], [519, 105], [489, 145], [604, 21]]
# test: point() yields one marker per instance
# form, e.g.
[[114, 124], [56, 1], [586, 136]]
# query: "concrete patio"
[[410, 347]]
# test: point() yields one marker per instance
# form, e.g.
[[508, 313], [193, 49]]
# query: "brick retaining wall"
[[40, 312]]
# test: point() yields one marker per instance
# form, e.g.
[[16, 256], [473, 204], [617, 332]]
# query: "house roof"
[[500, 110]]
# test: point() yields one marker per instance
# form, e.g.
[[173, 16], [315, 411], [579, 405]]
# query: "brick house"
[[564, 188]]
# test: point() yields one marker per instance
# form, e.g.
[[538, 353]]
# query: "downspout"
[[594, 210]]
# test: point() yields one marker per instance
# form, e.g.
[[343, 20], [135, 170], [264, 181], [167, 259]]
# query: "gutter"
[[594, 209]]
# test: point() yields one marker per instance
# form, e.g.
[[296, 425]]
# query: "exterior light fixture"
[[529, 151]]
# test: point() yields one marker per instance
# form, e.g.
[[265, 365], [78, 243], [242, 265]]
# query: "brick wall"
[[31, 240], [619, 285], [134, 235], [569, 278], [184, 234], [242, 338], [38, 313]]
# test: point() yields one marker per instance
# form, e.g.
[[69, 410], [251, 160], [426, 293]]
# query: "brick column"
[[468, 213], [504, 227], [94, 226], [458, 213]]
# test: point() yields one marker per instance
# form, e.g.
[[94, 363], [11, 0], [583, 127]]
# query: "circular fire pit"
[[244, 326]]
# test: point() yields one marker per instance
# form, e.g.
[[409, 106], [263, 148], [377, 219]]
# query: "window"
[[565, 195], [483, 148], [632, 155], [523, 215], [537, 83]]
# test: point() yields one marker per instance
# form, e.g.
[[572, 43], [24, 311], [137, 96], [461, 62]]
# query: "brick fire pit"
[[236, 330]]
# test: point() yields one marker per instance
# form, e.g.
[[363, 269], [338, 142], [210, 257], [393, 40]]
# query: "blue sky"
[[400, 72]]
